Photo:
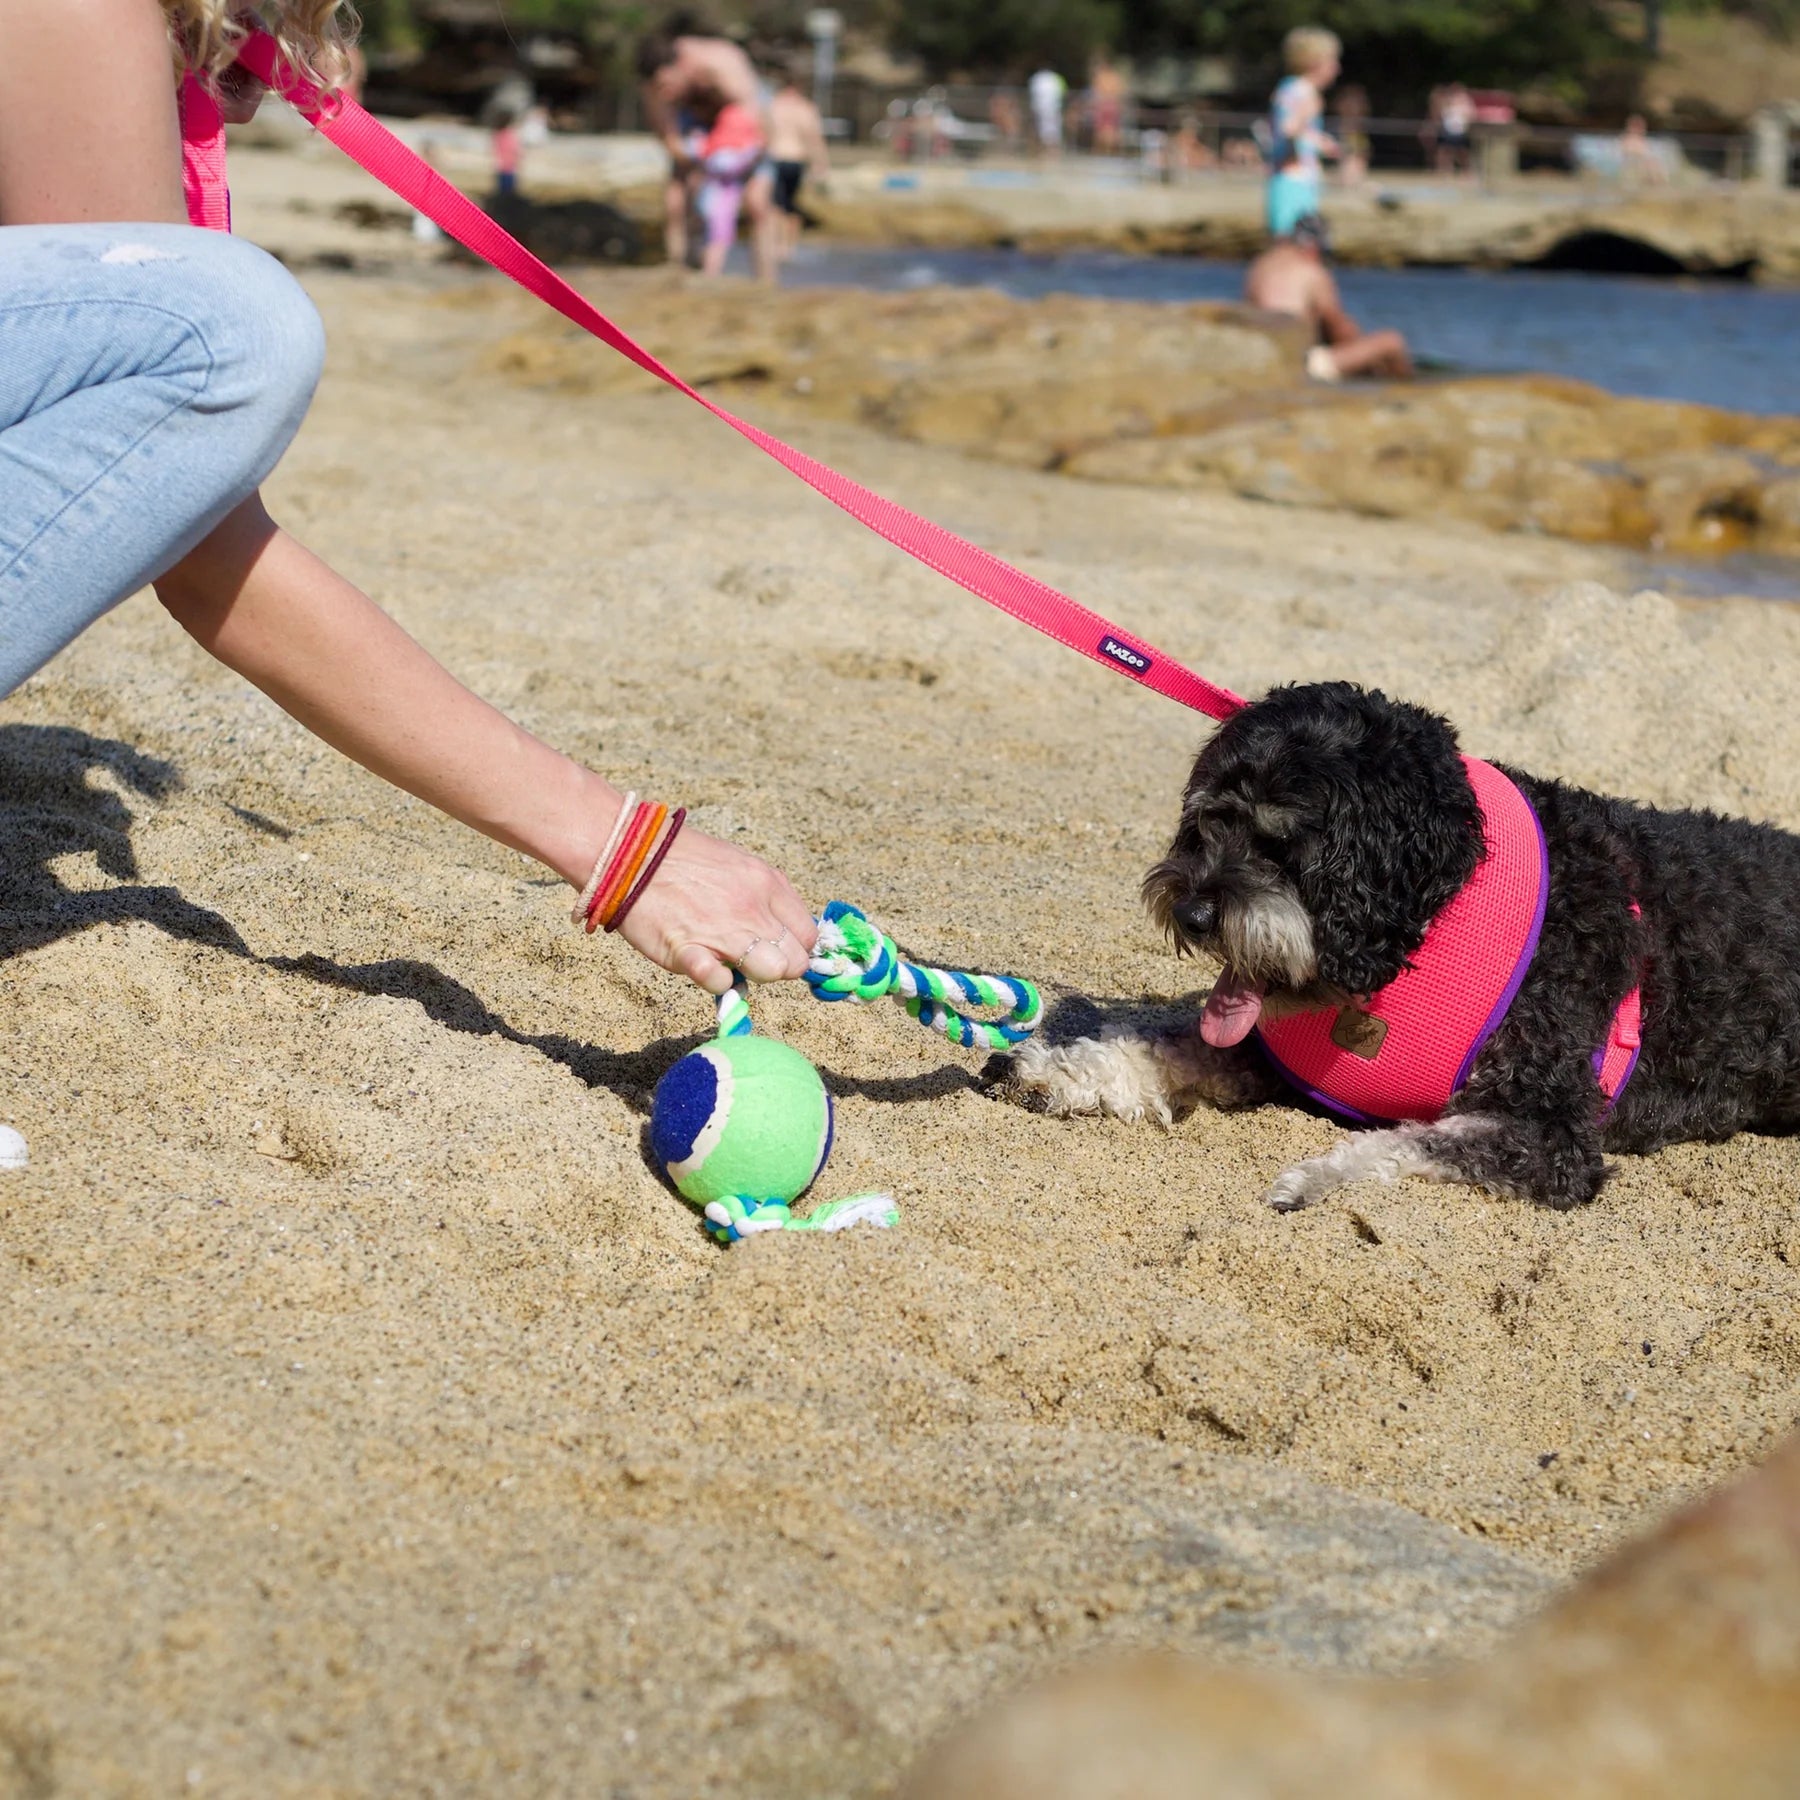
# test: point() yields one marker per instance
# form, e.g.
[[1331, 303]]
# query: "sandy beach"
[[377, 1422]]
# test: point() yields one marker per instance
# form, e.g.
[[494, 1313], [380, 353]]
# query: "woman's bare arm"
[[89, 132], [267, 607]]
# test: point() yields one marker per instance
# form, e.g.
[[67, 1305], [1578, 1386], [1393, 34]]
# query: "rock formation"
[[1670, 1673], [1192, 396]]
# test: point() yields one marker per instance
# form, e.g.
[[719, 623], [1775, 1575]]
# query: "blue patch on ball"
[[830, 1137], [685, 1098]]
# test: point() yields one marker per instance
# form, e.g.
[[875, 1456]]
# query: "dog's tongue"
[[1232, 1008]]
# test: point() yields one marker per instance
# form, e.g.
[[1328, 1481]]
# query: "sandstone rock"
[[1671, 1673], [1206, 396], [1701, 232]]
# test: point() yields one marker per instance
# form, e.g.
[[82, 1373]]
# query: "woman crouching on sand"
[[151, 375]]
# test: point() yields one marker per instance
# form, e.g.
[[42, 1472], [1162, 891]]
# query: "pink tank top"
[[1403, 1052], [203, 158]]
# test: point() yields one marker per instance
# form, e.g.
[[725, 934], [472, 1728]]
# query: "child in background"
[[730, 155], [1298, 140], [507, 150]]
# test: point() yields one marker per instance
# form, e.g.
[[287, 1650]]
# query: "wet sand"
[[376, 1421]]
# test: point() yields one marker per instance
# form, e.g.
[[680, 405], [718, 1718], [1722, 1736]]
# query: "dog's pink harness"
[[1399, 1054], [1403, 1052]]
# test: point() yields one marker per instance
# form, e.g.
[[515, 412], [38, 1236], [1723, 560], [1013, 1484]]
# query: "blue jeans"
[[150, 377]]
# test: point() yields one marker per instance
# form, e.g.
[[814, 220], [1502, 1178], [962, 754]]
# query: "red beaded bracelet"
[[628, 840], [639, 840], [655, 863]]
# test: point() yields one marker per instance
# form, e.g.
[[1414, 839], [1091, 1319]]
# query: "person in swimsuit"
[[702, 76], [1107, 93], [796, 147], [1455, 120], [728, 155], [1297, 140], [1353, 136], [1291, 278], [151, 377]]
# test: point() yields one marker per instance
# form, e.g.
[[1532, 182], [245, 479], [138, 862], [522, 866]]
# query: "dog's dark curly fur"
[[1347, 819]]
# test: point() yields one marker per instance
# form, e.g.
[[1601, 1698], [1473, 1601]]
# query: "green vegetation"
[[1008, 37], [1397, 49]]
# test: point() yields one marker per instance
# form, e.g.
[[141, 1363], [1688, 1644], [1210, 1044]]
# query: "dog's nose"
[[1198, 917]]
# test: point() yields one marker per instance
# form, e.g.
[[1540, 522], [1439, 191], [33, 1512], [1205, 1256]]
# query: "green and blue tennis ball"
[[741, 1116]]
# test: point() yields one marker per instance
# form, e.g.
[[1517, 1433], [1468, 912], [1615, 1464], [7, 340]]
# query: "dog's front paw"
[[1090, 1075]]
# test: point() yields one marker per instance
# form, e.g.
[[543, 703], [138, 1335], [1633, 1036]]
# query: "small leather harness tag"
[[1361, 1033]]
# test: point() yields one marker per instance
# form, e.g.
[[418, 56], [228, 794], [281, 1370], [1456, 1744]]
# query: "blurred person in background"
[[1005, 117], [689, 83], [1639, 158], [1298, 139], [507, 148], [1107, 91], [1047, 93], [1353, 136], [796, 148], [1291, 278], [1453, 129]]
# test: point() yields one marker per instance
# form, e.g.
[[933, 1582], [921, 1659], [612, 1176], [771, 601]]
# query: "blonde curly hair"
[[314, 35]]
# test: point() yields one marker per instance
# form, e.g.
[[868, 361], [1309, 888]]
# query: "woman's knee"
[[267, 348]]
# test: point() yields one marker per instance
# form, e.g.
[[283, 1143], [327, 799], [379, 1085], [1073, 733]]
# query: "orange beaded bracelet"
[[677, 820]]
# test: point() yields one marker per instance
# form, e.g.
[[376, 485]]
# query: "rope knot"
[[852, 960]]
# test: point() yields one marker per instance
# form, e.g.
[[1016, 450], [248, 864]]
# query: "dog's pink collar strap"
[[1403, 1052], [985, 575]]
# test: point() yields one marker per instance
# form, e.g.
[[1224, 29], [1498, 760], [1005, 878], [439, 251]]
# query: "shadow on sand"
[[52, 806]]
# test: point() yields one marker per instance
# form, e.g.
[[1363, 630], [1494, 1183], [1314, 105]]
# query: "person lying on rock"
[[152, 375], [1291, 277]]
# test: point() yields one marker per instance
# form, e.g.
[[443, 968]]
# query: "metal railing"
[[1176, 142]]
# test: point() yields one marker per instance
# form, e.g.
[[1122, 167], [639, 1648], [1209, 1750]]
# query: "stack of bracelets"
[[642, 835]]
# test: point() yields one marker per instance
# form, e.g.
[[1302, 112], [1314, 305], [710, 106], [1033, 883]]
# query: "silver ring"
[[744, 954]]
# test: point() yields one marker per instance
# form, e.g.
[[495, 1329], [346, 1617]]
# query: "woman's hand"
[[712, 908]]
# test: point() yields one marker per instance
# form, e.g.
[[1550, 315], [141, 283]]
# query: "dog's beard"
[[1266, 944], [1268, 937], [1264, 937]]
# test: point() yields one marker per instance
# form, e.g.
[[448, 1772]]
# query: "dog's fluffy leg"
[[1134, 1074], [1551, 1162], [1445, 1151]]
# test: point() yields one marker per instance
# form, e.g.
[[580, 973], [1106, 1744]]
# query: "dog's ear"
[[1402, 833]]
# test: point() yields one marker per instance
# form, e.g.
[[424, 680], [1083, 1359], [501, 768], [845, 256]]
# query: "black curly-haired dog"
[[1321, 830]]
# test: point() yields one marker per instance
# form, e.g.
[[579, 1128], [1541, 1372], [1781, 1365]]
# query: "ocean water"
[[1719, 343]]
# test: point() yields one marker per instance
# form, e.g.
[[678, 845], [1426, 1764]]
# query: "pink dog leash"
[[376, 149]]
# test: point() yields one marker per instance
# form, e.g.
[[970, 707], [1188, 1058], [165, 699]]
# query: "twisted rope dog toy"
[[854, 961], [744, 1125]]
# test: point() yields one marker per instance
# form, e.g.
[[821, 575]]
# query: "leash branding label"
[[1134, 660]]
